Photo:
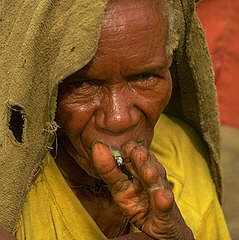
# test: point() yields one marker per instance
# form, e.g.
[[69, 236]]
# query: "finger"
[[107, 168], [126, 151], [150, 171], [154, 177]]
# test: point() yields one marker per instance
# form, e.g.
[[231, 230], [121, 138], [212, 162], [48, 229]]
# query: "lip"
[[116, 146]]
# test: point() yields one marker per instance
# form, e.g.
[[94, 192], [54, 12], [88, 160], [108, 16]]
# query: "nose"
[[117, 114]]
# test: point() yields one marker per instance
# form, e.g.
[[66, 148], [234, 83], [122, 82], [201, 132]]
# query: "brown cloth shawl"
[[44, 41]]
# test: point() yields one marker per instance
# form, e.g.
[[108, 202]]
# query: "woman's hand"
[[146, 199]]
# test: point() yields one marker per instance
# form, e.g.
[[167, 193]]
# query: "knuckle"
[[127, 148], [161, 169], [120, 186], [150, 175], [139, 152]]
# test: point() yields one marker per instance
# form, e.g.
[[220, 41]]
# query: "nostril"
[[116, 122]]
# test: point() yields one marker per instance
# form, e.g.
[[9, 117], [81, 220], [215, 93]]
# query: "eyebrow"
[[154, 67], [151, 68]]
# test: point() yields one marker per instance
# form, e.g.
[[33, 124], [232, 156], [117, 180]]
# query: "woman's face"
[[119, 95]]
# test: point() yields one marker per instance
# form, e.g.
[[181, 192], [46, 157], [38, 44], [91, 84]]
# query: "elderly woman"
[[105, 178]]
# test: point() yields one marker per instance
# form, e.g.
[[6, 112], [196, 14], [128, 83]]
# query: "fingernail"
[[97, 142]]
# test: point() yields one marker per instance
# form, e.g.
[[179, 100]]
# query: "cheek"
[[72, 117], [154, 104], [154, 101]]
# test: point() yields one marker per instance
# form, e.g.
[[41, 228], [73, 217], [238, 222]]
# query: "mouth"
[[116, 146], [112, 145]]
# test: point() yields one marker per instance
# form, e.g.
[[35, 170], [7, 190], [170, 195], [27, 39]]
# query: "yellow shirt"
[[52, 211]]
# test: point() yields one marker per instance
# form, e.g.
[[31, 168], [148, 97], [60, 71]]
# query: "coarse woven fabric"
[[43, 42]]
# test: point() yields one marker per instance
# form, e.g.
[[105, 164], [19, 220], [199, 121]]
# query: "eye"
[[82, 83], [145, 76], [145, 80], [76, 84], [80, 89]]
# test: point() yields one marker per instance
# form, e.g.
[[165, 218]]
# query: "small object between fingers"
[[117, 156], [120, 162]]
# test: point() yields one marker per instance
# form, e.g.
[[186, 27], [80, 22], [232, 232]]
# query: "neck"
[[99, 205]]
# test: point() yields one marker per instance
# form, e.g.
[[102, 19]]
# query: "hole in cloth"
[[16, 122]]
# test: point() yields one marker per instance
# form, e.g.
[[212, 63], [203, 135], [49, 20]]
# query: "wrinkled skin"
[[116, 100]]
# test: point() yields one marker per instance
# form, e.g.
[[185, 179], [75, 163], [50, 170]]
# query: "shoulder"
[[180, 148], [182, 152], [176, 130]]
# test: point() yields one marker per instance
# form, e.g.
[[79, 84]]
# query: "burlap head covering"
[[44, 41]]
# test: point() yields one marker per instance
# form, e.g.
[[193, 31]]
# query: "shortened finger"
[[138, 156], [151, 173], [126, 151], [144, 165]]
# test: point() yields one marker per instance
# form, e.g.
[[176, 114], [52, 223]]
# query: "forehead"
[[134, 32]]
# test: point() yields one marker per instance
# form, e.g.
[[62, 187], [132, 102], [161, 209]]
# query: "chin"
[[87, 167], [91, 172]]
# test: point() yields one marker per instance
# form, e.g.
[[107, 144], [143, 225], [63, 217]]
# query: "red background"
[[220, 19]]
